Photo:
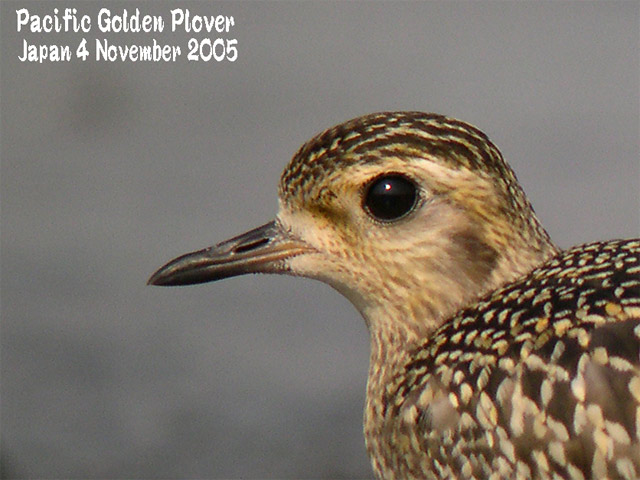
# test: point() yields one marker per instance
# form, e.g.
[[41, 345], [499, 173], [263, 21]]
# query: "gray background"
[[111, 169]]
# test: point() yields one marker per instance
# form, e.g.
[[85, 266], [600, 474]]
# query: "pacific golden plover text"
[[493, 353]]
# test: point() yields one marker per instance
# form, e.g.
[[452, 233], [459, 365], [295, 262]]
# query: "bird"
[[494, 354]]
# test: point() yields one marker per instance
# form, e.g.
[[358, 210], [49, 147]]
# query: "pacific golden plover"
[[493, 353]]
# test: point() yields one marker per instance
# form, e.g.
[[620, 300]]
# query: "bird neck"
[[406, 316]]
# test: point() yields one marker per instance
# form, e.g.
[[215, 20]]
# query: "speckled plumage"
[[493, 353], [539, 379]]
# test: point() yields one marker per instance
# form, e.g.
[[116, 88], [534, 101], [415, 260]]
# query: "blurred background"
[[108, 170]]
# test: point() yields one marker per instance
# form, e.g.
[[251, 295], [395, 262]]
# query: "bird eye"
[[390, 197]]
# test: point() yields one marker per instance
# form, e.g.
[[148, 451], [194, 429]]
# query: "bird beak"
[[262, 250]]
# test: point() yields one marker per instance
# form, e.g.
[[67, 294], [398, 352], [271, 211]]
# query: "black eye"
[[390, 197]]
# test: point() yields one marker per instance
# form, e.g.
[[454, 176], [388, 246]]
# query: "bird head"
[[409, 215]]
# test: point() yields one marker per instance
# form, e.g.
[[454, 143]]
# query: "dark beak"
[[262, 250]]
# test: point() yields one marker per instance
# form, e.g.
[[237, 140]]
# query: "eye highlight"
[[390, 197]]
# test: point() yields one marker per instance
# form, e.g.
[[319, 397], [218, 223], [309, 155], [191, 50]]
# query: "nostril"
[[245, 247]]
